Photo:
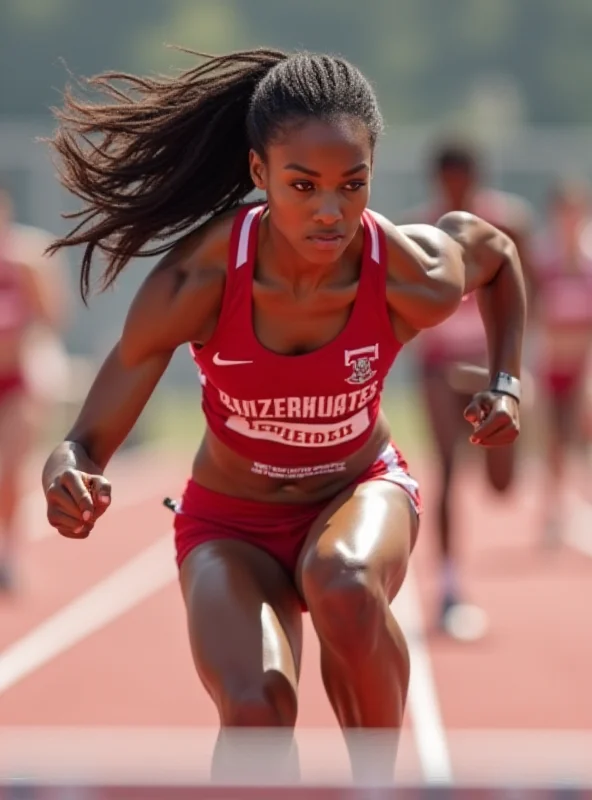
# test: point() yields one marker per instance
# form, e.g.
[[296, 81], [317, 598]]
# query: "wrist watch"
[[504, 383]]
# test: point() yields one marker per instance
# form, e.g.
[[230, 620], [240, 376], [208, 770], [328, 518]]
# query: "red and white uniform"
[[296, 416], [564, 309], [292, 416]]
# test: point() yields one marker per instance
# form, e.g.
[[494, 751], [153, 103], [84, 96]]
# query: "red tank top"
[[302, 415]]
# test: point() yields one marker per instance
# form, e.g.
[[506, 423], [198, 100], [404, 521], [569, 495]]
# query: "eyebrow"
[[312, 173]]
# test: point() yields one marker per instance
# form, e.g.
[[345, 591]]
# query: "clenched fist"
[[75, 500]]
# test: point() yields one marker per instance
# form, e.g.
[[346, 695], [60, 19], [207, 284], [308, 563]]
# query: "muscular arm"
[[432, 267], [493, 270], [178, 302]]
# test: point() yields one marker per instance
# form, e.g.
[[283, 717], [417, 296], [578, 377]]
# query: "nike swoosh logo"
[[222, 362]]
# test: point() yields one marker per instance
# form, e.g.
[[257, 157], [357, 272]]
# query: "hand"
[[495, 419], [75, 500], [465, 378]]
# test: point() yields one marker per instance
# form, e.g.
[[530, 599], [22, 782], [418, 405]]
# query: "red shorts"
[[11, 383], [560, 385], [278, 529]]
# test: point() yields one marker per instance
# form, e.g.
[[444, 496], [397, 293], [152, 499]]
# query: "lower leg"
[[458, 619], [444, 408], [366, 676], [245, 633], [556, 457], [255, 755], [256, 741], [449, 581]]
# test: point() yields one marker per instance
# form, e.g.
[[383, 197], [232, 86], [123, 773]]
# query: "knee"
[[267, 702], [347, 603]]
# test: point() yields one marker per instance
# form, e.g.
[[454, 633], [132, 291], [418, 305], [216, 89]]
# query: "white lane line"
[[426, 717], [126, 587]]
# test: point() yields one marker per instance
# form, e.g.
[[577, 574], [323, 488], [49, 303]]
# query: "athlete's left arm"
[[432, 267]]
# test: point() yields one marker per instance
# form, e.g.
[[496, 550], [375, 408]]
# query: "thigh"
[[445, 409], [368, 531], [244, 616]]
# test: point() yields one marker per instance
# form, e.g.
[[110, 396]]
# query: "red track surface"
[[515, 705]]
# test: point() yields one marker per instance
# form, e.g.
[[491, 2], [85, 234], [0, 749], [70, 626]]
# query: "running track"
[[96, 680]]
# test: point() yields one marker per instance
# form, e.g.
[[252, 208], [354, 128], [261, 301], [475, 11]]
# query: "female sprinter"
[[295, 310], [33, 310], [456, 173]]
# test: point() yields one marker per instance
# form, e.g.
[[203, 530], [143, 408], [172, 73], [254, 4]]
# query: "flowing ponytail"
[[167, 153]]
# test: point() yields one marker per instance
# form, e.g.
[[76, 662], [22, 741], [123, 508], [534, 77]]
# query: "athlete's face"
[[317, 180]]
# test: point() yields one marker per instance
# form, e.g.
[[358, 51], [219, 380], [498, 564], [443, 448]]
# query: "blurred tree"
[[428, 58]]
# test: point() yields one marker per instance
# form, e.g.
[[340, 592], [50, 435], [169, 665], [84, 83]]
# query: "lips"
[[326, 240]]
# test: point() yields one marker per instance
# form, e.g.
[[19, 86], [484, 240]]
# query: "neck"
[[290, 268]]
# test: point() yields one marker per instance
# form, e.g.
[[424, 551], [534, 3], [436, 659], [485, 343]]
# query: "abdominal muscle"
[[220, 469]]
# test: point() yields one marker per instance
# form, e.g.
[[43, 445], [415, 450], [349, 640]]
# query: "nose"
[[328, 212]]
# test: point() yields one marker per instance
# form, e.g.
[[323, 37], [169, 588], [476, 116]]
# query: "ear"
[[258, 171]]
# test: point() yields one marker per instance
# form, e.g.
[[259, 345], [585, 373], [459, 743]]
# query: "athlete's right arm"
[[178, 302]]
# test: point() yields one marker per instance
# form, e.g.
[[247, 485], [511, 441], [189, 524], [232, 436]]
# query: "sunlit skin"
[[316, 176], [318, 185]]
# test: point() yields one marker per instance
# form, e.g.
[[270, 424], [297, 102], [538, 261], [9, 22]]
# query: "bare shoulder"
[[425, 275], [417, 245], [180, 299]]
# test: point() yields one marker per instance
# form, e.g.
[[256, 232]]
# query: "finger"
[[494, 421], [493, 428], [81, 533], [76, 484], [500, 439], [57, 516], [57, 496], [502, 436], [476, 412], [68, 526], [100, 489]]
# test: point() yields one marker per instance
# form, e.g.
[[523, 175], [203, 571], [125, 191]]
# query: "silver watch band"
[[506, 384]]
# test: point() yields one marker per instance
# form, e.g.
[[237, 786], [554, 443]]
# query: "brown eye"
[[303, 186]]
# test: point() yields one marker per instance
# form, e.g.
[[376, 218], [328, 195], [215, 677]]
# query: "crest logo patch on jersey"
[[360, 360]]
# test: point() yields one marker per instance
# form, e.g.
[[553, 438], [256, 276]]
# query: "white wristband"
[[506, 384]]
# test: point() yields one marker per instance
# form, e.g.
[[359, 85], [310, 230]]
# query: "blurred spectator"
[[33, 364], [457, 185], [563, 310]]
